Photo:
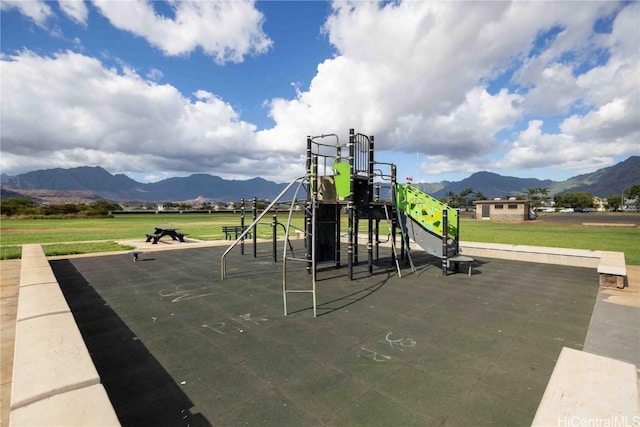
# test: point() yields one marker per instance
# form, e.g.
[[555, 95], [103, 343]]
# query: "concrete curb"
[[54, 380], [587, 389]]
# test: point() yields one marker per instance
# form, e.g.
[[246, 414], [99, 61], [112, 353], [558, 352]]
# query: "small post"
[[370, 240], [378, 235], [458, 233], [242, 225], [274, 224], [337, 236], [254, 209], [445, 235], [308, 229]]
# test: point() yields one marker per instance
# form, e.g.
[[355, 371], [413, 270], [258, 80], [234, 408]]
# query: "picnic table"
[[160, 232]]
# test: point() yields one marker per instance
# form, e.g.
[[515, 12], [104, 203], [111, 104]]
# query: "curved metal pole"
[[253, 224]]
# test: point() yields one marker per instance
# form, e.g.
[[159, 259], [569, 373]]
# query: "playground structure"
[[346, 178]]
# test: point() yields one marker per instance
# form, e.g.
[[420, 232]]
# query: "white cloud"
[[36, 10], [70, 109], [155, 74], [227, 31], [75, 9], [610, 123], [412, 73]]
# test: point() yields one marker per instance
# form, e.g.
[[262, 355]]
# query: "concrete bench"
[[587, 388], [612, 269]]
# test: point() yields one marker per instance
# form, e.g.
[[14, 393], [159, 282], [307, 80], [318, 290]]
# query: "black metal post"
[[274, 224], [370, 241], [370, 206], [445, 235], [458, 233], [337, 237], [377, 236], [242, 225], [350, 207], [356, 237], [308, 238], [254, 209]]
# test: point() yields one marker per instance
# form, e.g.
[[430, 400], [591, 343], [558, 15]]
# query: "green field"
[[68, 236]]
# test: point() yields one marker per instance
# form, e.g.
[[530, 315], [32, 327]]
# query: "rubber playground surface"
[[176, 345]]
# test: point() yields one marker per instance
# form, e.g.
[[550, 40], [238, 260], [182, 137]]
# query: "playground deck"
[[175, 345]]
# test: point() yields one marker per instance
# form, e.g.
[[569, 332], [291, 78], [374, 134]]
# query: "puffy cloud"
[[75, 9], [420, 76], [70, 109], [606, 123], [415, 75], [36, 10], [226, 30]]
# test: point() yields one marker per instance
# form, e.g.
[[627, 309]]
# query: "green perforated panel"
[[426, 210]]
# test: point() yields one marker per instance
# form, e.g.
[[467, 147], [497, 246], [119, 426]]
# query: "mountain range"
[[84, 184]]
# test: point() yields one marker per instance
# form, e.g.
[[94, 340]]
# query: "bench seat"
[[612, 269], [456, 260], [234, 230], [155, 238]]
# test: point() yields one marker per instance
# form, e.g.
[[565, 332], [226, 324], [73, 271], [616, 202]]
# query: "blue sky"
[[159, 89]]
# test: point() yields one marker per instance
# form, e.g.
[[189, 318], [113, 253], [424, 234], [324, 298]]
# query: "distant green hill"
[[101, 184]]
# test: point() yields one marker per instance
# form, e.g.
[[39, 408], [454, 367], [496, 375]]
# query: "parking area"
[[579, 218]]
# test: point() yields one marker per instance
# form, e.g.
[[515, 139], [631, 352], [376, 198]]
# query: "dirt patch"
[[579, 219]]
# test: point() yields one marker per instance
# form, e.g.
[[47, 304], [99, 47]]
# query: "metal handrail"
[[223, 264]]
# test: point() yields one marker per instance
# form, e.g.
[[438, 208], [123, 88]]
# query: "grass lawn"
[[68, 236], [617, 239]]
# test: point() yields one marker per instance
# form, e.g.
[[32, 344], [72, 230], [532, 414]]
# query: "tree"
[[544, 192], [578, 199], [102, 207], [18, 206], [532, 192], [450, 196], [633, 192], [614, 202]]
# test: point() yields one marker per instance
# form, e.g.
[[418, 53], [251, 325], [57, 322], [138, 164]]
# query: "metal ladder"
[[312, 261]]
